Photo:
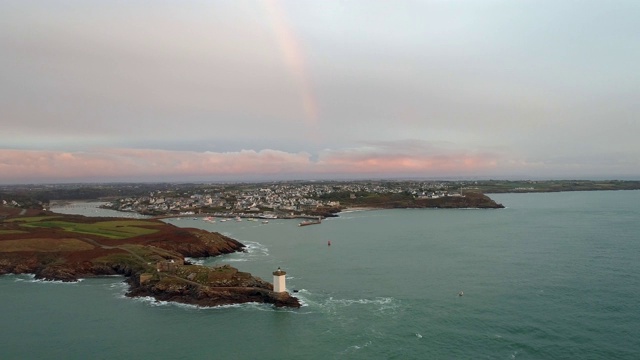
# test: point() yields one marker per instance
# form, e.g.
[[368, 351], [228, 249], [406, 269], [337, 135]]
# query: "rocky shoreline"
[[152, 263], [468, 201], [208, 296]]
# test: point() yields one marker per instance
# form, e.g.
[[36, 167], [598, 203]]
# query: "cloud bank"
[[411, 158]]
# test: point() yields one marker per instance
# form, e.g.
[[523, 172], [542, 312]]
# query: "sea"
[[551, 276]]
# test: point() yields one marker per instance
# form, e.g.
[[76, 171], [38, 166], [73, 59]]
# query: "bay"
[[552, 276]]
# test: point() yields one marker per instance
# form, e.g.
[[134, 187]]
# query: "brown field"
[[2, 232], [44, 245]]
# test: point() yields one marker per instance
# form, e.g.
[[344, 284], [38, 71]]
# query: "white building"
[[279, 281]]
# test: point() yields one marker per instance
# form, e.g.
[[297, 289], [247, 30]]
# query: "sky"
[[113, 91]]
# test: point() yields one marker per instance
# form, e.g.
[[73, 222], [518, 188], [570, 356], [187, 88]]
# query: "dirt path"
[[95, 243]]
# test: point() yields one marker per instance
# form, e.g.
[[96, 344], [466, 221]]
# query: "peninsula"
[[151, 254], [284, 200]]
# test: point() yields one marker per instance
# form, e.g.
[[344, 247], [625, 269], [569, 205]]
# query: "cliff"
[[469, 200], [67, 248]]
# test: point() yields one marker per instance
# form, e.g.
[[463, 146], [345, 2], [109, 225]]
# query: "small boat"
[[265, 221]]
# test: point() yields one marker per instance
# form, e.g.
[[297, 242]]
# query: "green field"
[[117, 229]]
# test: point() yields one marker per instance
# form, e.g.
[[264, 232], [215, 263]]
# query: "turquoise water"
[[552, 276]]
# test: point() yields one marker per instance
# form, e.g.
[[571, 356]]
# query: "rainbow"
[[293, 57]]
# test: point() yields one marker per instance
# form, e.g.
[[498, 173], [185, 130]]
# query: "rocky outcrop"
[[469, 200], [194, 294], [221, 285], [59, 271]]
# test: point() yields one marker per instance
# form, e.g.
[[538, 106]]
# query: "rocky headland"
[[471, 200], [150, 253]]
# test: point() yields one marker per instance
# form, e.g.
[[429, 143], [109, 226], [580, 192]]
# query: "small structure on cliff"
[[279, 281], [170, 265]]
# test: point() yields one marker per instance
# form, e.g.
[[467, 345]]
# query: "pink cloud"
[[406, 157], [159, 165], [23, 165]]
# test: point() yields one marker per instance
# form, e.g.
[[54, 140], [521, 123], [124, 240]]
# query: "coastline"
[[358, 208], [468, 201], [149, 254]]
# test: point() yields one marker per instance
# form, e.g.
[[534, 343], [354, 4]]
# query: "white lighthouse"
[[279, 281]]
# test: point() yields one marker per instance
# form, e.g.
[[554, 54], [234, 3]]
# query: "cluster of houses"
[[284, 197], [10, 203]]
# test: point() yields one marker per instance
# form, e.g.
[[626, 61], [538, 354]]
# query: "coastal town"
[[283, 200]]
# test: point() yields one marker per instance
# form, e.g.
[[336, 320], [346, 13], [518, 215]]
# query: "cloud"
[[407, 157], [380, 159], [143, 164]]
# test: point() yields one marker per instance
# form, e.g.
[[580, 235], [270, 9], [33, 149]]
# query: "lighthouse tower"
[[279, 281]]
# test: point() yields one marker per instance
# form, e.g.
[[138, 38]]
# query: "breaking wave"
[[30, 278], [255, 248], [195, 261]]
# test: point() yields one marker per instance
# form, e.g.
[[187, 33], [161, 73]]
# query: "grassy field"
[[30, 219], [117, 229], [128, 260], [44, 245]]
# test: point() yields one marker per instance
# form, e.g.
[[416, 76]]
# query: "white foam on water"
[[22, 277], [354, 348], [382, 304], [256, 248], [32, 279], [119, 285], [349, 302], [151, 301], [195, 261]]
